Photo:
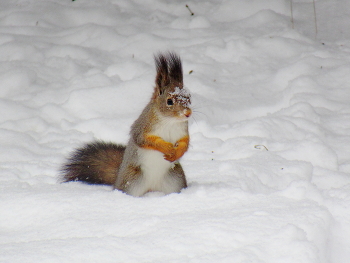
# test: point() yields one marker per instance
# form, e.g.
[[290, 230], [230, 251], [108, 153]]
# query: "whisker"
[[194, 111], [194, 119]]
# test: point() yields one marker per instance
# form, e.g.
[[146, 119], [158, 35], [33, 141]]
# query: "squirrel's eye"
[[170, 102]]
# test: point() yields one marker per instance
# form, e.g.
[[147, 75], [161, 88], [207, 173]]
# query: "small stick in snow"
[[259, 147], [190, 10]]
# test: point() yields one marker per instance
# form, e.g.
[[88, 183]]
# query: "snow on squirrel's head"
[[182, 95], [174, 100]]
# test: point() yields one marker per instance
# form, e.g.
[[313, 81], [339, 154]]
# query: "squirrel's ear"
[[162, 77], [169, 71], [175, 69]]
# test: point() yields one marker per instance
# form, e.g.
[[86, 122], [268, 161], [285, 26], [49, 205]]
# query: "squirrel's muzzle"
[[187, 112]]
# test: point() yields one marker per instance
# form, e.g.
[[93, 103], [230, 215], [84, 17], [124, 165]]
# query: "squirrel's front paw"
[[167, 148], [170, 156]]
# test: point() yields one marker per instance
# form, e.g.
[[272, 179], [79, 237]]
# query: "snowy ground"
[[268, 167]]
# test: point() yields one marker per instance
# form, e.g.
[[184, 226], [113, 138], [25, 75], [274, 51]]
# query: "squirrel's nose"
[[187, 112]]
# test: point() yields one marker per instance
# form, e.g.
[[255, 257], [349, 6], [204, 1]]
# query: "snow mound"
[[268, 165]]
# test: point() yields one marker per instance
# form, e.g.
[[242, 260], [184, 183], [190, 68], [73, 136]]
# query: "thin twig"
[[190, 10], [259, 147]]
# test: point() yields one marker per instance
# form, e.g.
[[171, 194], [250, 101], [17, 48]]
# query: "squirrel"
[[158, 139]]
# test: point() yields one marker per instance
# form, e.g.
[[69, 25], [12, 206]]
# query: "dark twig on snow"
[[260, 147], [190, 10]]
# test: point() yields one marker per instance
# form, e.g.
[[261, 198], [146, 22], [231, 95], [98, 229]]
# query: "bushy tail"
[[95, 163]]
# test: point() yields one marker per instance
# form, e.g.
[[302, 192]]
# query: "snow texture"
[[268, 167]]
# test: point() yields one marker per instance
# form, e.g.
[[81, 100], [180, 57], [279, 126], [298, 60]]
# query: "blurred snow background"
[[268, 168]]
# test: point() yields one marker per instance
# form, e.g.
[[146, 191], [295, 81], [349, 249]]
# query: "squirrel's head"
[[172, 98]]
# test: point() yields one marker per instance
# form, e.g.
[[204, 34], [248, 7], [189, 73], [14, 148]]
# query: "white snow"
[[269, 163]]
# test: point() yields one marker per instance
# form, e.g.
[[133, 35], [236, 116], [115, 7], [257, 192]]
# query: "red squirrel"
[[158, 139]]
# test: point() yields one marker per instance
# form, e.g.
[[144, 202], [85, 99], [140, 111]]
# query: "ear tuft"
[[169, 71]]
